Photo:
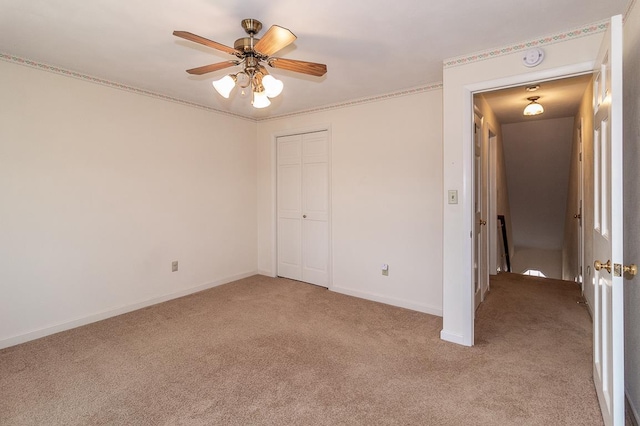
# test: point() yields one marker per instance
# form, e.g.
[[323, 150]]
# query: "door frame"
[[492, 221], [274, 193], [581, 231], [468, 91]]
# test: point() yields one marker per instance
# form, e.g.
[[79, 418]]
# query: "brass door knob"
[[599, 265], [577, 216], [483, 222], [631, 269]]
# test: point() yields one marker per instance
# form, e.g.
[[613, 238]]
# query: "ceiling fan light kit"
[[253, 54], [225, 85], [272, 85]]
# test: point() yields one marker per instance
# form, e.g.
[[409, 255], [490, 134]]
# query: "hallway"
[[541, 333]]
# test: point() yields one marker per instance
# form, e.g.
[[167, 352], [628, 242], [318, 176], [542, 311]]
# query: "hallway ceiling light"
[[533, 108]]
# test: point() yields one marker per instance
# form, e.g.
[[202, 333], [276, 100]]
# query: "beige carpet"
[[265, 351]]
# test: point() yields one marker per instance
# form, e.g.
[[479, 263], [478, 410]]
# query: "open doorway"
[[536, 177]]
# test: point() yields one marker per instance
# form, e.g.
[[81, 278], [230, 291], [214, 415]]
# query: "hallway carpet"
[[264, 351]]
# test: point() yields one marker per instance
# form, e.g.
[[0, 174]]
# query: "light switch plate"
[[453, 196]]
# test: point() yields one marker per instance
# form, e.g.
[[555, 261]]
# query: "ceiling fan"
[[253, 53]]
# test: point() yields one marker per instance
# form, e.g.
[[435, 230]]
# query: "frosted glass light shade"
[[272, 86], [224, 86], [533, 109], [260, 100]]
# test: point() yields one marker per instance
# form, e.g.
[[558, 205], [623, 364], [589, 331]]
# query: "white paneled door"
[[303, 207], [480, 271], [608, 332]]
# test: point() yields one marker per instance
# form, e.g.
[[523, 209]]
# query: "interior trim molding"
[[84, 77], [406, 92], [402, 303], [68, 325], [595, 28], [453, 338], [631, 410]]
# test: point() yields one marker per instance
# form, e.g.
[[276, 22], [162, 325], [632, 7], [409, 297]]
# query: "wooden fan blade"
[[196, 38], [303, 67], [273, 40], [213, 67]]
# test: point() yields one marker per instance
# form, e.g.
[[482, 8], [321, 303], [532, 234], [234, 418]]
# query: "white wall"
[[460, 81], [102, 189], [570, 244], [503, 206], [632, 204], [570, 248], [386, 180], [537, 156], [549, 262]]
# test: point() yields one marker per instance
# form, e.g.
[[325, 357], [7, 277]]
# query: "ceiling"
[[560, 98], [371, 48]]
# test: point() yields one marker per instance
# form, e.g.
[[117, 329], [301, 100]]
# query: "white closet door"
[[303, 207], [290, 206]]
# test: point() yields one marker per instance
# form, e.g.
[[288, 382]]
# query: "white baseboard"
[[633, 411], [389, 300], [67, 325], [266, 273], [453, 338]]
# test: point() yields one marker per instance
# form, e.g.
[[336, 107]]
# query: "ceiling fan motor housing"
[[245, 44]]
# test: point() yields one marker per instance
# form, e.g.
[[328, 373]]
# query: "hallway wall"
[[502, 191], [570, 249], [549, 262], [537, 156]]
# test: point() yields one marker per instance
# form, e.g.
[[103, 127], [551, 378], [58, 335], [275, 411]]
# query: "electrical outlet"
[[385, 269], [174, 266]]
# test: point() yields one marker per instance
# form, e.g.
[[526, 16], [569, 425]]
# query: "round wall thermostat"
[[533, 57]]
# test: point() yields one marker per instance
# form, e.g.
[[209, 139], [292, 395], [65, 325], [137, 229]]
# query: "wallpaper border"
[[88, 78], [587, 30]]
